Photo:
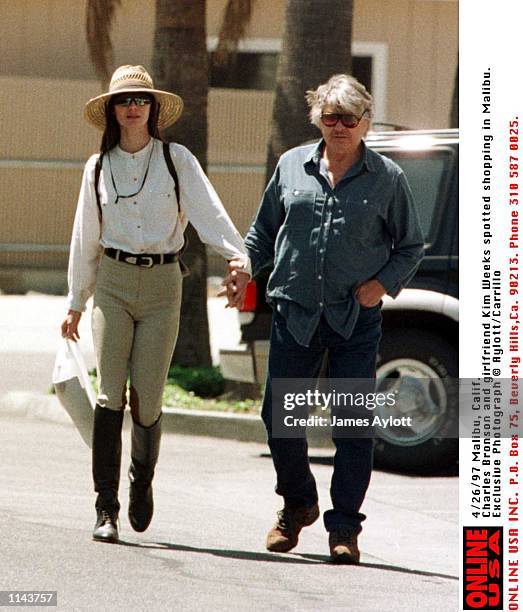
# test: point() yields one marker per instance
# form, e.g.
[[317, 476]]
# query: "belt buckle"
[[150, 263]]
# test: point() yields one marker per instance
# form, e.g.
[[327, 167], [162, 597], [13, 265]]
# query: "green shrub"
[[204, 382]]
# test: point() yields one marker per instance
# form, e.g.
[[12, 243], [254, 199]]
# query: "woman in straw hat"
[[127, 234]]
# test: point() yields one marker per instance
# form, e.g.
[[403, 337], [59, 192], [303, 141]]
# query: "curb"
[[225, 425]]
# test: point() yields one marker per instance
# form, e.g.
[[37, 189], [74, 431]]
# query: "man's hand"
[[70, 325], [370, 293], [235, 284]]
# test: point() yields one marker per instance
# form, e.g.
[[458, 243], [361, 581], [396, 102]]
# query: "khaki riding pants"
[[136, 315]]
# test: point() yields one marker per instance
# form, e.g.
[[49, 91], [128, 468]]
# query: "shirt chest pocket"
[[299, 209]]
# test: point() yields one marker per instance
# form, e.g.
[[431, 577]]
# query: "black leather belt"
[[143, 260]]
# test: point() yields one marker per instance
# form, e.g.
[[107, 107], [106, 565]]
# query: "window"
[[428, 174], [248, 70], [251, 70], [257, 60]]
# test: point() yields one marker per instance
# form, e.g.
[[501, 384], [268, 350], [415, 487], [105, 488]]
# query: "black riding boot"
[[145, 448], [107, 455]]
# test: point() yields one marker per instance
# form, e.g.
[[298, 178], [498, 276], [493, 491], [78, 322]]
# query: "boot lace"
[[107, 517], [284, 520]]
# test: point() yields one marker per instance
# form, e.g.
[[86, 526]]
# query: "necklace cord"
[[118, 195]]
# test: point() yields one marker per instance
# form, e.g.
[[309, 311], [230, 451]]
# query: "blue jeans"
[[352, 358]]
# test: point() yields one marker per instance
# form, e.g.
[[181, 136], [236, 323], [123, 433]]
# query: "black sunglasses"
[[349, 121], [128, 100]]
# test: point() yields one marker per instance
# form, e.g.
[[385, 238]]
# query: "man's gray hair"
[[343, 92]]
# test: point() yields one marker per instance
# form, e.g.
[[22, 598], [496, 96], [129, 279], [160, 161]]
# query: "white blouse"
[[147, 222]]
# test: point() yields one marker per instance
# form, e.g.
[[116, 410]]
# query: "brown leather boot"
[[106, 527], [284, 535], [343, 544]]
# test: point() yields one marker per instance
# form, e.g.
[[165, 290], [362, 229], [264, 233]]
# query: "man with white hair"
[[338, 228]]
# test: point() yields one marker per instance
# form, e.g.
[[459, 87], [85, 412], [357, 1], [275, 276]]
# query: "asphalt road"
[[205, 547]]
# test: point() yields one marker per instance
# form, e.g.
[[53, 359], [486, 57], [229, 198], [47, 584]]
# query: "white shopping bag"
[[73, 388]]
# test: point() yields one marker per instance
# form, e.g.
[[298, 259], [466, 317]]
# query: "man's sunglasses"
[[128, 100], [349, 121]]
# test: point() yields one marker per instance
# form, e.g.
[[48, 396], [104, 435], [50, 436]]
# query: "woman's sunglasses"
[[128, 100], [349, 121]]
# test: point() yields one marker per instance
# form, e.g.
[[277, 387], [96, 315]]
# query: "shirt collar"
[[141, 154], [366, 160]]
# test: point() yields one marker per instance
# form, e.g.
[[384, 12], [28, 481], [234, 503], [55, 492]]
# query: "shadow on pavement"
[[301, 559], [230, 554], [390, 568]]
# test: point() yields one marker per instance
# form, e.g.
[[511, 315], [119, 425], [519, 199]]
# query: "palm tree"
[[98, 23], [316, 45], [179, 64]]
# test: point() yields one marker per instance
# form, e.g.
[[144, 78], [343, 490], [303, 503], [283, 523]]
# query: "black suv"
[[419, 349]]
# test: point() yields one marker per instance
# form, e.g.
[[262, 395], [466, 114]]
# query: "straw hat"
[[132, 79]]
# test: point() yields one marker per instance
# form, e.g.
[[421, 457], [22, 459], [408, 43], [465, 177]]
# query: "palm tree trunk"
[[180, 65], [316, 45]]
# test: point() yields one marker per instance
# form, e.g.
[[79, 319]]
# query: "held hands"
[[369, 293], [70, 325], [235, 284]]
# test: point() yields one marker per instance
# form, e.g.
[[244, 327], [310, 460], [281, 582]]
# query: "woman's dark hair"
[[111, 135]]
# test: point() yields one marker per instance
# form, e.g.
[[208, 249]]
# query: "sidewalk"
[[29, 332], [30, 335], [225, 425]]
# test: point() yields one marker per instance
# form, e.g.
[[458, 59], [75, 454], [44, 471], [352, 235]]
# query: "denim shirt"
[[321, 242]]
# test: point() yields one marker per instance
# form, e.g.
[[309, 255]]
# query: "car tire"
[[423, 368]]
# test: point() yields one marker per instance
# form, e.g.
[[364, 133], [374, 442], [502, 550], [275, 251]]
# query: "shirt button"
[[321, 250], [325, 225], [320, 304], [319, 276], [139, 226], [365, 201], [135, 179], [135, 203]]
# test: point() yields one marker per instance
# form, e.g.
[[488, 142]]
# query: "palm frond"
[[236, 17], [98, 24]]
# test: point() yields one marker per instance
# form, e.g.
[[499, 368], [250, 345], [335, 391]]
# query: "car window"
[[427, 173]]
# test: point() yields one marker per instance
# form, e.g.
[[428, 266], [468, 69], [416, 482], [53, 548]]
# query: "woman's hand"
[[70, 325]]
